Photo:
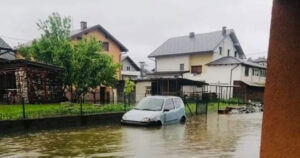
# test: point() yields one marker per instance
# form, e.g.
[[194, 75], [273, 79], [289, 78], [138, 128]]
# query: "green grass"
[[212, 107], [13, 112]]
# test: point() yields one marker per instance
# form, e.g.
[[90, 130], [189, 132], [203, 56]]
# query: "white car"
[[156, 110]]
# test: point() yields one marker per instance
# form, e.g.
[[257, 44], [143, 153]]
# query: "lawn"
[[13, 112]]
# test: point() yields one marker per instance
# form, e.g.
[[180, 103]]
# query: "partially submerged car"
[[156, 110]]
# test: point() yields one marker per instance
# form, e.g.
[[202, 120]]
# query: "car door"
[[169, 111], [179, 108]]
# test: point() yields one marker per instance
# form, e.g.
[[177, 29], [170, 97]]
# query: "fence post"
[[81, 107], [23, 108], [125, 103]]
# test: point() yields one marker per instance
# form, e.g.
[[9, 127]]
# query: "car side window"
[[178, 102], [169, 105]]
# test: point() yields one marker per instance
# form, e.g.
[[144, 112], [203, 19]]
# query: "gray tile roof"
[[205, 42], [4, 53], [79, 32], [260, 59], [232, 60], [131, 62]]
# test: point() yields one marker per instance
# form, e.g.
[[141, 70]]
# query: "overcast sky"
[[143, 25]]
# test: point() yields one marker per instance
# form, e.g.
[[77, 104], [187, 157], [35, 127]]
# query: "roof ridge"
[[199, 34]]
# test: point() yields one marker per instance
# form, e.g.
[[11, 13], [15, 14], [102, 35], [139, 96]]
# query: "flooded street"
[[202, 136]]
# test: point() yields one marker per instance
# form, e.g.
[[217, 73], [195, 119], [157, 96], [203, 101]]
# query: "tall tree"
[[86, 65]]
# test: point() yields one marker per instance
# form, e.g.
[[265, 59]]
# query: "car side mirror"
[[166, 110]]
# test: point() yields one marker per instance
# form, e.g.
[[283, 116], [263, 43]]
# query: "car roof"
[[162, 97]]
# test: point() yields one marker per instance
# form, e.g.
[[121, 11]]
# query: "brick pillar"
[[21, 83], [281, 118]]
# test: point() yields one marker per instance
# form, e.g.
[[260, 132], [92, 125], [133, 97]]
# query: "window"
[[106, 46], [235, 54], [246, 71], [178, 102], [128, 68], [169, 104], [228, 52], [181, 67], [220, 50], [263, 73], [196, 69]]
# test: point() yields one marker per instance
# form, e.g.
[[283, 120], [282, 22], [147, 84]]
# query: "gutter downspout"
[[231, 78]]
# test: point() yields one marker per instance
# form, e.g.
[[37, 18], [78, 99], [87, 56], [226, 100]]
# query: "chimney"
[[142, 69], [224, 30], [83, 25], [192, 34]]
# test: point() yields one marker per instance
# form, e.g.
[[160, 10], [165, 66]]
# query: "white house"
[[129, 68], [261, 61], [192, 52], [198, 55]]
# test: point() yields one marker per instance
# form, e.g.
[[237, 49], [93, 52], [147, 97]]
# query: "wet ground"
[[236, 135]]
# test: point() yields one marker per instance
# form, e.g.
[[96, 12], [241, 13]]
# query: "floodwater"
[[213, 135]]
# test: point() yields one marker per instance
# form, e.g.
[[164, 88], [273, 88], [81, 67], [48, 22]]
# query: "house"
[[198, 54], [112, 47], [129, 69], [248, 78], [192, 52], [261, 61], [6, 51]]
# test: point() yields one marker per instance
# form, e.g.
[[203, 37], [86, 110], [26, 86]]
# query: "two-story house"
[[111, 46], [129, 69], [192, 54]]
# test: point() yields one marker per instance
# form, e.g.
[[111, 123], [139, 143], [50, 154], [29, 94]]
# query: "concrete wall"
[[20, 126], [141, 89], [281, 127]]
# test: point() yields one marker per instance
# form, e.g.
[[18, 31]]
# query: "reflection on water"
[[202, 136]]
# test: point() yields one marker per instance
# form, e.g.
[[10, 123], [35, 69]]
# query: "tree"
[[92, 67], [128, 88], [86, 65]]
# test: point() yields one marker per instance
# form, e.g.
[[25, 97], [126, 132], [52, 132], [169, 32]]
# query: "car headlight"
[[146, 119], [124, 117]]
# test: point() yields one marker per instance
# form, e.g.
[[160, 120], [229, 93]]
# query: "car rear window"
[[178, 102]]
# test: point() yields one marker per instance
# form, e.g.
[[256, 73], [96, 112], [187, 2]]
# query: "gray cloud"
[[142, 25]]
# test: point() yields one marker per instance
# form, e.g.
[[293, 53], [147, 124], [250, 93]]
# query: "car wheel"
[[182, 119]]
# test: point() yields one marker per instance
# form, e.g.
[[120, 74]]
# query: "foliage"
[[13, 112], [85, 64], [91, 67], [129, 86]]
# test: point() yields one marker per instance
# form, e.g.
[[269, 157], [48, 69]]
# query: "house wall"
[[226, 44], [252, 78], [199, 59], [114, 50], [141, 89], [172, 63], [221, 74]]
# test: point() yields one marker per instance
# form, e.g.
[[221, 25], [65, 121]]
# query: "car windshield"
[[151, 104]]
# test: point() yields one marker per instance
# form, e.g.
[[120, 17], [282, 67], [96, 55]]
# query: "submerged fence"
[[32, 111]]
